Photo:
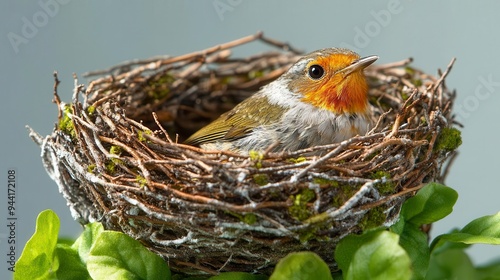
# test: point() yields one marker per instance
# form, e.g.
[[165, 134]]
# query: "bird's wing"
[[238, 122]]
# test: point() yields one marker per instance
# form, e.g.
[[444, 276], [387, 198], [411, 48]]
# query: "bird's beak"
[[359, 64]]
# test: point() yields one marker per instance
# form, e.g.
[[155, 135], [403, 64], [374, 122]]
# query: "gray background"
[[78, 36]]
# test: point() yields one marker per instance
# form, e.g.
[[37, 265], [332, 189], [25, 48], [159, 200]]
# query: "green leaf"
[[415, 243], [85, 241], [115, 255], [238, 276], [451, 264], [349, 245], [303, 266], [432, 203], [373, 255], [489, 272], [38, 260], [70, 264], [487, 226], [485, 230]]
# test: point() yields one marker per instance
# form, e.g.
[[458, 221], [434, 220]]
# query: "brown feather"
[[239, 122]]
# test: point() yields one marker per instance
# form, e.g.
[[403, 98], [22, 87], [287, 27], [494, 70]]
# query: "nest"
[[117, 157]]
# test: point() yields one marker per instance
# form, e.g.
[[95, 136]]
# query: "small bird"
[[321, 99]]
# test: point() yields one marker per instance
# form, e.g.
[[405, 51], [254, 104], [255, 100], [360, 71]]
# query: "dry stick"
[[343, 145], [401, 115], [139, 161], [124, 64], [284, 46], [190, 56], [349, 204], [440, 81], [379, 122], [224, 205], [389, 198], [448, 165], [394, 141], [155, 117], [56, 99], [445, 74]]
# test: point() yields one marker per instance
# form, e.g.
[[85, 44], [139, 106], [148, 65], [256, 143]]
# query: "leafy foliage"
[[96, 254], [399, 252]]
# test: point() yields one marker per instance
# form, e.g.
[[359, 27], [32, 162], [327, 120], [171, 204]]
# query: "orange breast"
[[339, 94]]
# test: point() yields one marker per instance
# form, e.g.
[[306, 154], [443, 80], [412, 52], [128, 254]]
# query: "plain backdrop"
[[38, 37]]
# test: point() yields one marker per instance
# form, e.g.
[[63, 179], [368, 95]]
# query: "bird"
[[321, 99]]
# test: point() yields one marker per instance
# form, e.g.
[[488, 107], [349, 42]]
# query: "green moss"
[[115, 150], [255, 74], [313, 232], [375, 217], [299, 208], [160, 88], [141, 180], [344, 192], [226, 80], [326, 182], [112, 163], [140, 135], [91, 168], [448, 140], [66, 123], [388, 186], [248, 218], [308, 235], [261, 179], [110, 166], [372, 155], [90, 110], [417, 82], [409, 70], [296, 160], [256, 157]]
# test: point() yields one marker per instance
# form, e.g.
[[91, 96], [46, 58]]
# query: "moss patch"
[[248, 218], [256, 157], [261, 179], [115, 150], [299, 208], [66, 123], [91, 110], [140, 135], [141, 180], [296, 160], [448, 140], [91, 168], [344, 192], [373, 218], [386, 187], [160, 88], [326, 182]]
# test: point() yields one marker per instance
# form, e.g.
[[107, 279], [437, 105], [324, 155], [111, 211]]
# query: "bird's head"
[[331, 79]]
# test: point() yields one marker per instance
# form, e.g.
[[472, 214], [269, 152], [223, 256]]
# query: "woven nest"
[[210, 211]]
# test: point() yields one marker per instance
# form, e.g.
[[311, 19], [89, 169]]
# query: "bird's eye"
[[316, 72]]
